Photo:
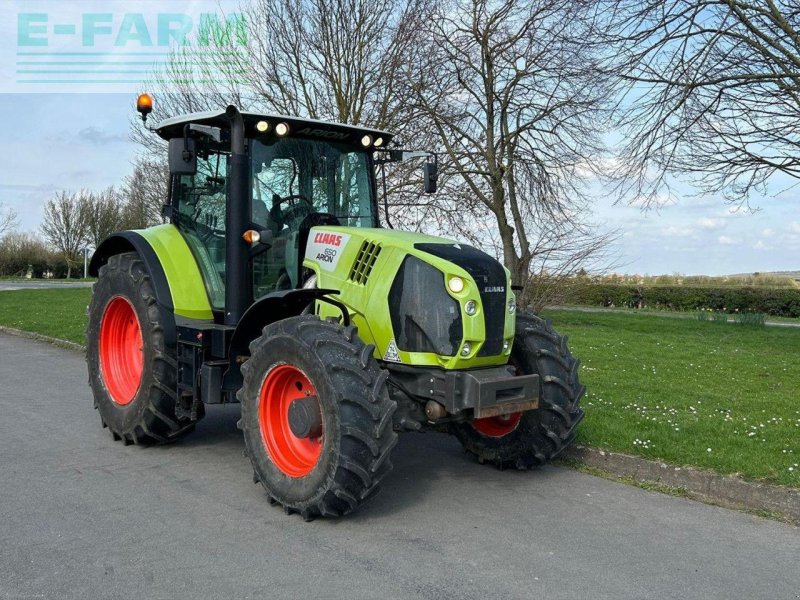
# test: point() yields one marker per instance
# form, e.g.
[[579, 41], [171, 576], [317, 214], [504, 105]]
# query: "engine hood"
[[380, 278]]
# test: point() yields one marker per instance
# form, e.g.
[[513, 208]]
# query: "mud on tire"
[[357, 436], [543, 433], [150, 415]]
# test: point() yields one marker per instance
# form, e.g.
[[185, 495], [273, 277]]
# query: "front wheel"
[[523, 440], [316, 416]]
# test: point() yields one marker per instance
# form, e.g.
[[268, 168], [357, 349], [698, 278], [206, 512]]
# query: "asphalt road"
[[11, 285], [84, 517]]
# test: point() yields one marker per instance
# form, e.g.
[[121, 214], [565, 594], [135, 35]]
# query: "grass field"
[[57, 313], [720, 396]]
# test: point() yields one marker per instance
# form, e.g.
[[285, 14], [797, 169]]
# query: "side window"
[[202, 199], [352, 195]]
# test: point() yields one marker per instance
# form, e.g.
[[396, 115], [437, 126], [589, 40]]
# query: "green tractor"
[[273, 285]]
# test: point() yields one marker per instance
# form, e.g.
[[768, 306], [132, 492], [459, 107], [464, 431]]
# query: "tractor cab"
[[298, 174]]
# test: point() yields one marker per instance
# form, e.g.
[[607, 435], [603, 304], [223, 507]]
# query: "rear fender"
[[131, 241]]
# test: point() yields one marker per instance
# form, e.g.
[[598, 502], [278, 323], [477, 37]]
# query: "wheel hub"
[[305, 418]]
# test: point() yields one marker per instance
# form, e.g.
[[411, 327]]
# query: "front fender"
[[269, 309]]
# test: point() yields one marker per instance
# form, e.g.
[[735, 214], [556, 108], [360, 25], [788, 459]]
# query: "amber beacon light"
[[144, 104]]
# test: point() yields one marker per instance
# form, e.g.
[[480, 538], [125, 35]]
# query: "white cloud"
[[725, 240], [676, 231], [760, 245], [794, 227], [708, 223], [767, 232]]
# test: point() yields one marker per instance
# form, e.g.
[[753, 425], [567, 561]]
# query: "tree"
[[19, 251], [64, 225], [144, 193], [712, 92], [8, 219], [338, 60], [512, 90], [105, 215]]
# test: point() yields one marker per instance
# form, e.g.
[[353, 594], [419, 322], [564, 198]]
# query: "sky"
[[58, 140]]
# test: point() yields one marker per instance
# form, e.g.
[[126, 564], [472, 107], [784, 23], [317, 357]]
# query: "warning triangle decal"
[[391, 352]]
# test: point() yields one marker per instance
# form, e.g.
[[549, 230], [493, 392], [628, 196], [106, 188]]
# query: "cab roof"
[[298, 127]]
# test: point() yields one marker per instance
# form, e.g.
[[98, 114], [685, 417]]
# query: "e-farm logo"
[[63, 48]]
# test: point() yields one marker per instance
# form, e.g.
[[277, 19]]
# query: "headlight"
[[456, 285], [470, 307], [512, 304], [466, 349]]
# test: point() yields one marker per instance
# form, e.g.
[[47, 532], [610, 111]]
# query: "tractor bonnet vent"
[[365, 260]]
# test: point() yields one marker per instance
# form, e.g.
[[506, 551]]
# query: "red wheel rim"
[[497, 426], [121, 350], [294, 456]]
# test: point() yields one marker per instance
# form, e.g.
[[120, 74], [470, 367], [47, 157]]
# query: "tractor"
[[272, 284]]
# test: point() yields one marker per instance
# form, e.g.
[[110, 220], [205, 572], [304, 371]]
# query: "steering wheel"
[[295, 211]]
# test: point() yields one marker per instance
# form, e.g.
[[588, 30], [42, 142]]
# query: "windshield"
[[293, 178]]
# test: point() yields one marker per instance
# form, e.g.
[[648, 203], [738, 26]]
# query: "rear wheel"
[[132, 372], [316, 416], [523, 440]]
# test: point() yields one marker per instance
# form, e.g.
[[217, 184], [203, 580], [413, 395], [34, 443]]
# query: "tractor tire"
[[132, 372], [531, 438], [336, 463]]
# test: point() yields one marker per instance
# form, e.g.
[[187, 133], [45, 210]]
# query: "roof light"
[[378, 142], [144, 104], [262, 126], [366, 141], [282, 129]]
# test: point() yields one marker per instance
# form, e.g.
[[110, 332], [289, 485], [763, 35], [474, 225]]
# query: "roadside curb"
[[705, 486], [43, 338]]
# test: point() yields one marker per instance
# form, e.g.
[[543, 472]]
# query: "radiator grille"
[[362, 267]]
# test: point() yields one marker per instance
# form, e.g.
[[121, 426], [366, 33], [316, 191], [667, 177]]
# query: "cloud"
[[794, 227], [708, 223], [760, 245], [726, 241], [98, 137], [675, 231]]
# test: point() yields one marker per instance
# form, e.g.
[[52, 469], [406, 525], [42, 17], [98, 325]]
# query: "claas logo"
[[329, 239]]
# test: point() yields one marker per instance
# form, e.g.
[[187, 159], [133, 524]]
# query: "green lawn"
[[720, 396], [57, 313]]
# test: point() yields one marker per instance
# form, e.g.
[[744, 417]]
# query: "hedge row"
[[782, 302]]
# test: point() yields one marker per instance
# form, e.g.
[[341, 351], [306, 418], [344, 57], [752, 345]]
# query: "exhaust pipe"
[[237, 215]]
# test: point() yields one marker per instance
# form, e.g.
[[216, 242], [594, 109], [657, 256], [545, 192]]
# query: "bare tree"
[[8, 219], [513, 92], [324, 59], [105, 215], [338, 60], [712, 93], [144, 193], [64, 225]]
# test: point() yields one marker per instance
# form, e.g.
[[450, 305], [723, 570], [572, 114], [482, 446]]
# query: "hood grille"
[[365, 261]]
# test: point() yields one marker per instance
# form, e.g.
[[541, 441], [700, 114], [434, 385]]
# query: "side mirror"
[[182, 156], [430, 174]]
